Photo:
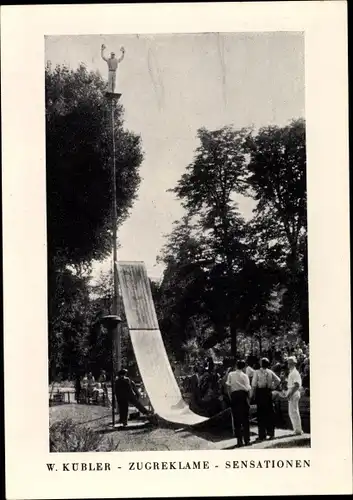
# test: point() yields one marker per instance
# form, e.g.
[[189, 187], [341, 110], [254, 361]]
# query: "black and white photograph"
[[177, 242], [176, 257]]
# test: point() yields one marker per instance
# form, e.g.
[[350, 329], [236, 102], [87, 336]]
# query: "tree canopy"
[[276, 177], [79, 202], [78, 157], [223, 272]]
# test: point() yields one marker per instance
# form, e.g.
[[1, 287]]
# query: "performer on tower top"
[[113, 64]]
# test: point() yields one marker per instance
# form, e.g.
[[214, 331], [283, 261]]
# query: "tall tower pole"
[[116, 329], [116, 312], [114, 321]]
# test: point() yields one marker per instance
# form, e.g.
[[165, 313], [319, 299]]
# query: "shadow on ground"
[[138, 428], [144, 436]]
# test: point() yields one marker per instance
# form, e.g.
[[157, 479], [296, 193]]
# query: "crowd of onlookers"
[[205, 385], [206, 388], [88, 390], [211, 385], [266, 389]]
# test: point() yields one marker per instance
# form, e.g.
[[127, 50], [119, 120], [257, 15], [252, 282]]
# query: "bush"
[[66, 436]]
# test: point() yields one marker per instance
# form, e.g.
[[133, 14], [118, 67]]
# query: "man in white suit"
[[293, 395]]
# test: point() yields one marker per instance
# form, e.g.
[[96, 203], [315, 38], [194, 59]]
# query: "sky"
[[171, 86]]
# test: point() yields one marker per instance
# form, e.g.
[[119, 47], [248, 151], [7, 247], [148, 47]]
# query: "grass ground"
[[151, 438], [138, 439]]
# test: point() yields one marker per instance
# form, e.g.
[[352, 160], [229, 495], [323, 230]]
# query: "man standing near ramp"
[[239, 388], [293, 396], [263, 382], [126, 392]]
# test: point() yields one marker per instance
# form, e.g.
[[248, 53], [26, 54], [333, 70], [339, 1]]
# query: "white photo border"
[[25, 266]]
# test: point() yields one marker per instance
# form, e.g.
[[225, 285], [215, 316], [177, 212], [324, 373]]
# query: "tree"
[[79, 193], [179, 297], [207, 191], [69, 324], [78, 155], [223, 271], [276, 179]]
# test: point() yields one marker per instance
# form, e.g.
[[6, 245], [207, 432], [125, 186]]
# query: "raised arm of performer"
[[122, 50], [102, 53]]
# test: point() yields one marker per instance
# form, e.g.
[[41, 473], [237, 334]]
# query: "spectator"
[[306, 375], [249, 369], [256, 364], [210, 392], [85, 388], [91, 384], [103, 381], [293, 395], [263, 382], [277, 368], [223, 386], [98, 393], [77, 387], [239, 389], [194, 387]]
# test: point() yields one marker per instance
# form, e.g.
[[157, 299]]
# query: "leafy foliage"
[[226, 278], [67, 436], [79, 126], [227, 275], [68, 323], [78, 155], [276, 178]]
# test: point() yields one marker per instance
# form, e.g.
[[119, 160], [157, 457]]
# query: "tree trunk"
[[233, 340], [260, 345], [304, 322]]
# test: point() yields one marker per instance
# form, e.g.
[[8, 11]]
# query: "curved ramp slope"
[[151, 356]]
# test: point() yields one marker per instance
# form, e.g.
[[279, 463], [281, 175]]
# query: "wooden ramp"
[[149, 349]]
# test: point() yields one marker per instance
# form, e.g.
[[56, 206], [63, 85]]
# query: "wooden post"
[[111, 322]]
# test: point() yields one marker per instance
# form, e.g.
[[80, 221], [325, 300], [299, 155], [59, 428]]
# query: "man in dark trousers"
[[239, 389], [126, 392], [194, 387], [263, 382], [78, 387]]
